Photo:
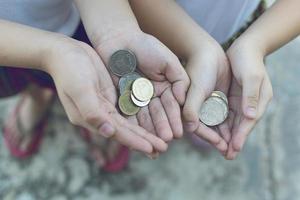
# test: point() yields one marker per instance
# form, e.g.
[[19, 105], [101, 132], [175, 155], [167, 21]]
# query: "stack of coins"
[[214, 110], [135, 91]]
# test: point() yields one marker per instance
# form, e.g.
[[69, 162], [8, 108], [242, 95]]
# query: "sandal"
[[12, 128], [119, 162]]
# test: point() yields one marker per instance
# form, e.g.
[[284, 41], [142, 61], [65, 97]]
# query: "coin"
[[126, 81], [213, 111], [220, 95], [126, 106], [122, 62], [139, 103], [142, 89]]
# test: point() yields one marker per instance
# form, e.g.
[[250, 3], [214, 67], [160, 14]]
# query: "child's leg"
[[21, 125], [36, 102]]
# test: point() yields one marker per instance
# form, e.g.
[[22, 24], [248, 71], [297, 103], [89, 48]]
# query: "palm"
[[208, 71], [238, 124], [157, 63], [80, 69]]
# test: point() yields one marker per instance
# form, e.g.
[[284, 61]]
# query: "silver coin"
[[220, 94], [213, 111], [126, 81], [142, 89], [122, 62], [139, 103]]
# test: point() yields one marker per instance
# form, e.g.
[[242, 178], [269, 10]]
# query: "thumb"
[[195, 97], [94, 113], [251, 91]]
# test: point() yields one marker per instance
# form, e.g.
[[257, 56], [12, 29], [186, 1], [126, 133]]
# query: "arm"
[[277, 26], [111, 26], [74, 67], [106, 19], [24, 46], [206, 66], [168, 21], [252, 86]]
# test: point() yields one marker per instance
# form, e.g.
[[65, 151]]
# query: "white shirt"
[[220, 18], [53, 15]]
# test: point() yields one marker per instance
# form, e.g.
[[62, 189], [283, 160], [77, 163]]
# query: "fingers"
[[94, 112], [133, 119], [145, 121], [247, 125], [243, 126], [172, 110], [244, 121], [157, 143], [240, 134], [224, 130], [194, 100], [162, 64], [211, 137], [160, 120], [251, 92], [128, 137], [176, 74]]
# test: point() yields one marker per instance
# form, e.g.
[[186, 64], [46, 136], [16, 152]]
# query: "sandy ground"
[[267, 169]]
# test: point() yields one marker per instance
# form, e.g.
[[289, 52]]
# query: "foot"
[[104, 151], [35, 103], [108, 154]]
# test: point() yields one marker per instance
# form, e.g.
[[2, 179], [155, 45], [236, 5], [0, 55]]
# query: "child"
[[76, 69], [249, 89]]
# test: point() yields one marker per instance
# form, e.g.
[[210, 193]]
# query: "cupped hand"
[[249, 94], [208, 70], [156, 62], [89, 96]]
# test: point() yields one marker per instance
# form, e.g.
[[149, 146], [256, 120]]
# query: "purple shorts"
[[14, 80]]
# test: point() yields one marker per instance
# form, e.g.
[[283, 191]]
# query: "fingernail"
[[190, 126], [251, 112], [223, 146], [107, 130]]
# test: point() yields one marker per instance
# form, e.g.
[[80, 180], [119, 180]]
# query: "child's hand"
[[208, 70], [249, 94], [88, 95], [162, 116]]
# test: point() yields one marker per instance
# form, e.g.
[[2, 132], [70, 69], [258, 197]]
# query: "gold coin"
[[220, 95], [139, 103], [142, 89], [213, 111], [126, 106]]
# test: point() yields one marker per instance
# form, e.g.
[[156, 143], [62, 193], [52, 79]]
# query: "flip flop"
[[120, 160], [12, 125]]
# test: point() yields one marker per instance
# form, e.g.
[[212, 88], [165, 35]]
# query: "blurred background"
[[267, 169]]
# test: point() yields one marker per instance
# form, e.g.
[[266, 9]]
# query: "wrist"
[[247, 41], [205, 47], [59, 47], [116, 39], [100, 35], [202, 44]]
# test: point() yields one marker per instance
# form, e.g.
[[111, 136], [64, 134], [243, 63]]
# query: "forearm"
[[276, 27], [23, 46], [168, 21], [104, 19]]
